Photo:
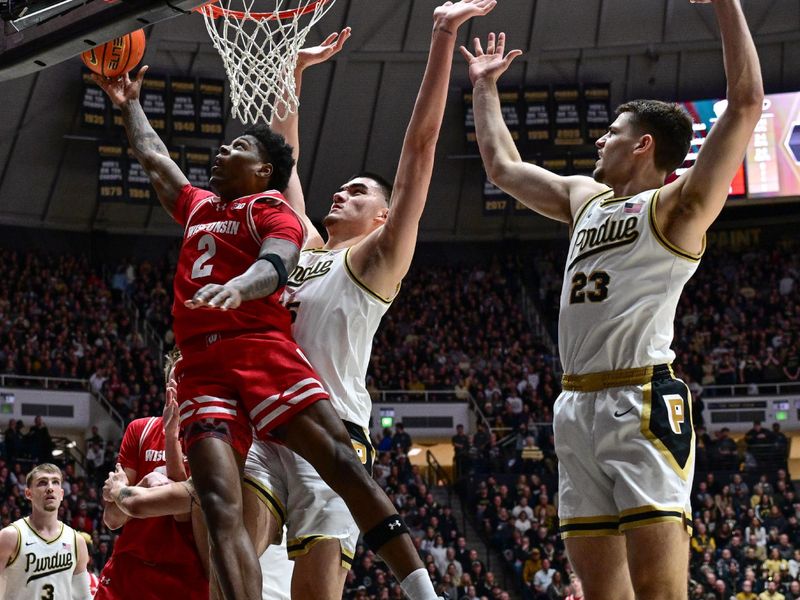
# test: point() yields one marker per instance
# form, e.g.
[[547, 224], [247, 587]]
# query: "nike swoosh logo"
[[29, 543], [620, 414]]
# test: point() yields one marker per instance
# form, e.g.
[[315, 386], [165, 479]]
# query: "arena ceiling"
[[355, 109]]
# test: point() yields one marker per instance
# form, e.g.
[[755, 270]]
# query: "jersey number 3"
[[201, 268], [580, 281], [48, 592]]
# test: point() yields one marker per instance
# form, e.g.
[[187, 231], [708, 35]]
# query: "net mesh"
[[259, 52]]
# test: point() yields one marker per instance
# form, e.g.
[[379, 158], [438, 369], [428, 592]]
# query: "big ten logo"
[[117, 47], [675, 411]]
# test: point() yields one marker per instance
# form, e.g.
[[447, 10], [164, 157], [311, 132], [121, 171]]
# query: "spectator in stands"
[[386, 444], [771, 593], [460, 448], [542, 580], [576, 588], [557, 590], [39, 441], [759, 441], [94, 437], [401, 441], [12, 441]]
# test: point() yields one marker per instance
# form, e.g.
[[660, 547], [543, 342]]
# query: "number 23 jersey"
[[622, 283], [221, 240]]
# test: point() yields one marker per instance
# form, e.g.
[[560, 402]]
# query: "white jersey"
[[622, 283], [41, 568], [335, 318]]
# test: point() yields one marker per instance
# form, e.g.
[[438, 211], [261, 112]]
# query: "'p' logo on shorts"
[[677, 417]]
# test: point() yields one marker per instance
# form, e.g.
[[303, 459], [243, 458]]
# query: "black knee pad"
[[386, 530]]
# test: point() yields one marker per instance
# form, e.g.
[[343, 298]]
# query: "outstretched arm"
[[688, 206], [549, 194], [138, 502], [383, 258], [113, 517], [289, 127], [150, 151]]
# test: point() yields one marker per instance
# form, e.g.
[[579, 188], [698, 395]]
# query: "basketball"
[[116, 57]]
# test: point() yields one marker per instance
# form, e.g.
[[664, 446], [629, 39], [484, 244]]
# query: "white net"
[[259, 51]]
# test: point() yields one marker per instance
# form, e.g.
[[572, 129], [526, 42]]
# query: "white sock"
[[417, 585]]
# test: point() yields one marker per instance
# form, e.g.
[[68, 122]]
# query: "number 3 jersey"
[[41, 568], [221, 240], [622, 283]]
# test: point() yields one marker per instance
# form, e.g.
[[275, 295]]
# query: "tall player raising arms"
[[623, 426], [41, 557], [338, 293], [241, 366]]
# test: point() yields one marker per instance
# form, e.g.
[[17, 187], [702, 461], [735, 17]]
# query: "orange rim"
[[212, 9]]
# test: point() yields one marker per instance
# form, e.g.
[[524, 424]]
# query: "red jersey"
[[221, 240], [159, 540]]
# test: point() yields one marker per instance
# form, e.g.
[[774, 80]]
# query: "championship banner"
[[212, 111], [495, 200], [584, 164], [469, 121], [154, 101], [597, 109], [198, 166], [538, 125], [136, 181], [110, 182], [559, 165], [509, 106], [183, 106], [94, 104], [567, 115]]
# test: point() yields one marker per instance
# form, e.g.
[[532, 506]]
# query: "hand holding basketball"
[[453, 14], [121, 89], [492, 63], [314, 55]]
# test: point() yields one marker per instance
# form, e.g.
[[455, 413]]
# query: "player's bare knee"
[[221, 513]]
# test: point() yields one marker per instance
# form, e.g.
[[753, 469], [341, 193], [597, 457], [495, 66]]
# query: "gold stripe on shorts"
[[593, 382], [603, 525], [303, 545], [650, 515], [269, 499]]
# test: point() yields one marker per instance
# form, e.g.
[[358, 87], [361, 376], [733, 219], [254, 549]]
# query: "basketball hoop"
[[259, 52]]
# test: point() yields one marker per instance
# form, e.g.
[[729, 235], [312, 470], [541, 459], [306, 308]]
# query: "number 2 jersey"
[[221, 240], [41, 568], [622, 283]]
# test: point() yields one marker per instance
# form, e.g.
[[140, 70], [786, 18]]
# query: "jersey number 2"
[[200, 268], [598, 294]]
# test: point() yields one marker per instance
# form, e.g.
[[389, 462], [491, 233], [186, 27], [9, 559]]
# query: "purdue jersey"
[[335, 317], [622, 283], [41, 569]]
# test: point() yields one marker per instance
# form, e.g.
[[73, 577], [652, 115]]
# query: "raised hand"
[[492, 63], [121, 89], [454, 14], [314, 55], [171, 417], [116, 480]]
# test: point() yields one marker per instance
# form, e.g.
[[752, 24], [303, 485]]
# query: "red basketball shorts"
[[126, 577], [228, 386]]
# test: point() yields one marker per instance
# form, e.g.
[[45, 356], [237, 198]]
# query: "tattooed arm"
[[176, 498], [150, 151], [259, 281]]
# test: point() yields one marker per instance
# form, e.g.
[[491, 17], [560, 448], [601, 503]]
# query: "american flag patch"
[[66, 546], [632, 207]]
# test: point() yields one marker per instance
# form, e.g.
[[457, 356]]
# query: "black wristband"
[[277, 262]]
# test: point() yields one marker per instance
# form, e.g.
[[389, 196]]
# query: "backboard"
[[37, 34]]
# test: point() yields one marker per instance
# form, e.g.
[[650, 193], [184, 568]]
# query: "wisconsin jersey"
[[622, 283], [335, 318], [158, 540], [41, 568], [221, 240]]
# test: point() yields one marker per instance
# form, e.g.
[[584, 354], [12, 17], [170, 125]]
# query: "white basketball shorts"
[[625, 446]]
